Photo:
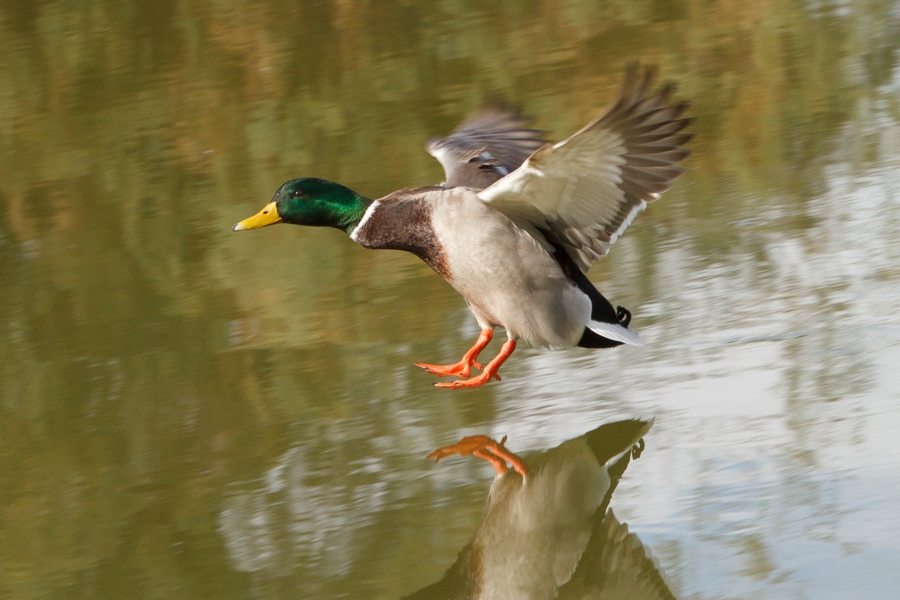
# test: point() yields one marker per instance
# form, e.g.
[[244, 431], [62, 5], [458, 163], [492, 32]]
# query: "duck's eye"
[[299, 194]]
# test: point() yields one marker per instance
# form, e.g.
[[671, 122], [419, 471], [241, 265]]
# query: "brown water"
[[186, 412]]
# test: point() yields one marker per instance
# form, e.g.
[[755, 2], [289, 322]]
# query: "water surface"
[[187, 412]]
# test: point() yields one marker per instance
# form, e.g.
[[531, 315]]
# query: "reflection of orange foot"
[[464, 367], [490, 371], [486, 448]]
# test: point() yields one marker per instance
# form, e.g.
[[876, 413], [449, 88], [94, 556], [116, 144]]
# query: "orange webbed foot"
[[474, 382], [464, 367], [486, 448], [490, 371], [461, 369]]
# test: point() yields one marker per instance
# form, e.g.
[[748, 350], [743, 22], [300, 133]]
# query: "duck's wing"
[[617, 566], [485, 147], [583, 192]]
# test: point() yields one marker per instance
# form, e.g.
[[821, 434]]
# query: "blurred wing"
[[617, 566], [584, 191], [485, 148]]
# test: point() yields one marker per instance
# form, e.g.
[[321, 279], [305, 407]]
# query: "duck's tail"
[[616, 332]]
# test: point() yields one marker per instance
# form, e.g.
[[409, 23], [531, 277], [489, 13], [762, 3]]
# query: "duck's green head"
[[311, 201]]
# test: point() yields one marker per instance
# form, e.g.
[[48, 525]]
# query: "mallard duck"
[[546, 531], [518, 221]]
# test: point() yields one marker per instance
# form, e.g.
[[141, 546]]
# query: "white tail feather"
[[617, 333]]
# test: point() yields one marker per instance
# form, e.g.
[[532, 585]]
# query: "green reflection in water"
[[154, 362]]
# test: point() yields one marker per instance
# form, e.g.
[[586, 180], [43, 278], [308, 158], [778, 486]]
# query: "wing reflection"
[[550, 534]]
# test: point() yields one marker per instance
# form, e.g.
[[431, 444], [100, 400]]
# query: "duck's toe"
[[477, 381], [461, 369]]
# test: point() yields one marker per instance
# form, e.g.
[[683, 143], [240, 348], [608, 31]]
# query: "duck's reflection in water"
[[547, 531]]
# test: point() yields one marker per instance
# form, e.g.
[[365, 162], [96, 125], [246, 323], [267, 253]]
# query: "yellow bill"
[[267, 216]]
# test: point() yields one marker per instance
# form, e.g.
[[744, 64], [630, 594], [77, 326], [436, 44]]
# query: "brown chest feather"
[[403, 222]]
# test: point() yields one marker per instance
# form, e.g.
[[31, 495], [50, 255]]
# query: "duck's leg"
[[486, 448], [464, 367], [489, 371]]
